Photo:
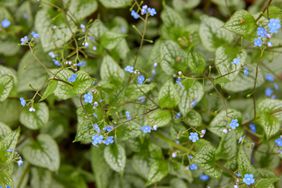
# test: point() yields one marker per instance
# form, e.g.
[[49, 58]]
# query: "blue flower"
[[249, 179], [108, 128], [258, 42], [276, 86], [204, 177], [146, 129], [142, 99], [152, 11], [129, 69], [135, 15], [140, 79], [24, 40], [236, 61], [5, 23], [234, 124], [20, 162], [268, 92], [194, 136], [81, 64], [177, 115], [178, 82], [56, 62], [82, 27], [109, 140], [246, 71], [261, 32], [274, 25], [72, 78], [97, 139], [22, 101], [52, 54], [128, 116], [35, 35], [278, 142], [194, 103], [85, 44], [96, 128], [88, 97], [269, 44], [193, 167], [253, 127], [269, 77], [144, 9]]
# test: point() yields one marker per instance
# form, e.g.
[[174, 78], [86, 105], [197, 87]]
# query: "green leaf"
[[101, 169], [65, 90], [190, 95], [171, 18], [224, 65], [115, 3], [173, 58], [140, 166], [266, 182], [110, 70], [269, 113], [227, 148], [158, 170], [193, 118], [4, 130], [133, 92], [82, 8], [54, 29], [8, 2], [10, 111], [241, 22], [43, 152], [52, 85], [85, 129], [8, 81], [222, 120], [31, 73], [243, 159], [9, 47], [213, 34], [110, 40], [185, 4], [10, 140], [160, 118], [6, 85], [115, 157], [168, 96], [97, 29], [196, 62], [37, 119], [243, 82], [41, 178], [205, 158]]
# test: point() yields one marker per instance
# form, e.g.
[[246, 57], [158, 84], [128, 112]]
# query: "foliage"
[[126, 93]]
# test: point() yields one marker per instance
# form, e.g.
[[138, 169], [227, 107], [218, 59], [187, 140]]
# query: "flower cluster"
[[25, 40], [145, 10], [264, 34], [193, 167], [100, 138]]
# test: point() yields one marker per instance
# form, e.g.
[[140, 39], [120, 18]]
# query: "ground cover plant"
[[134, 94]]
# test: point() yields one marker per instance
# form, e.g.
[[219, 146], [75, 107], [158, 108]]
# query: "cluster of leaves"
[[118, 93]]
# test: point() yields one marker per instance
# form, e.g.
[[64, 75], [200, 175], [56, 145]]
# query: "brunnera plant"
[[126, 93]]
